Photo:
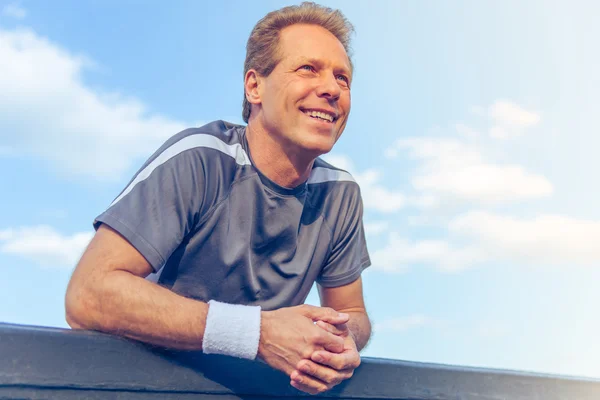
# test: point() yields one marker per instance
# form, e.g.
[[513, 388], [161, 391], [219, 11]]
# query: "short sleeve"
[[160, 205], [349, 255]]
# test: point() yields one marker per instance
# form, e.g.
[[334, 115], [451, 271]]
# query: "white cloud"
[[509, 113], [456, 170], [6, 234], [402, 324], [376, 227], [400, 254], [498, 132], [52, 114], [486, 183], [14, 10], [391, 152], [375, 195], [339, 161], [478, 237], [424, 201], [421, 220], [508, 119], [543, 240], [43, 245]]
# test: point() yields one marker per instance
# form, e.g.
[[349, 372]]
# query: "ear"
[[252, 83]]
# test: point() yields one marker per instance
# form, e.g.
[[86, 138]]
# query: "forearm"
[[124, 304], [359, 326]]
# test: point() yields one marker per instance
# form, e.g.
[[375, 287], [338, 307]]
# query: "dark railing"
[[52, 363]]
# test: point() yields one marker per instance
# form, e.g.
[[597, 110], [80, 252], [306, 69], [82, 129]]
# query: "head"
[[298, 74]]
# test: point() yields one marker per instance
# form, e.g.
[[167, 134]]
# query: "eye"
[[344, 78], [307, 68]]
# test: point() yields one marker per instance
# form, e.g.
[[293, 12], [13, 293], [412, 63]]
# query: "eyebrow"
[[319, 63]]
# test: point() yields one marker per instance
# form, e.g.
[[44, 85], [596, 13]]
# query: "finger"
[[343, 361], [337, 330], [330, 342], [325, 314], [307, 384], [305, 388], [323, 373]]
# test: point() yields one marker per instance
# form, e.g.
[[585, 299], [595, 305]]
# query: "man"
[[219, 237]]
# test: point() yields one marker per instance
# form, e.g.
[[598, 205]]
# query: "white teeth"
[[319, 114]]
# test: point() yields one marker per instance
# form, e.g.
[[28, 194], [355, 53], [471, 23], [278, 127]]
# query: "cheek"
[[348, 99], [296, 90], [345, 103]]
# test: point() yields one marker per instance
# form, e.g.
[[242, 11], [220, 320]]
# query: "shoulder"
[[333, 178], [191, 157], [217, 142], [217, 136], [214, 147], [333, 187]]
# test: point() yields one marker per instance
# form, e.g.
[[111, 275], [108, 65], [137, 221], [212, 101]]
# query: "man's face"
[[306, 99]]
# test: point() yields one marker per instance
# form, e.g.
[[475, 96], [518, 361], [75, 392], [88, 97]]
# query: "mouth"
[[321, 115]]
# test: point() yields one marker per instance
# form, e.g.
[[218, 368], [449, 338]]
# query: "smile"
[[323, 115]]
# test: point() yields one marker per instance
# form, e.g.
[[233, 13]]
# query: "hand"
[[325, 369], [289, 335]]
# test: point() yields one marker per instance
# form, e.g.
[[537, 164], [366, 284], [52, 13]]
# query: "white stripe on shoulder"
[[198, 140], [320, 175]]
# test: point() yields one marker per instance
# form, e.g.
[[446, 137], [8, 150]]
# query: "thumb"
[[339, 330], [325, 314]]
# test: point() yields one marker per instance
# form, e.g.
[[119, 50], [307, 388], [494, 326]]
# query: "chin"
[[313, 142], [317, 148]]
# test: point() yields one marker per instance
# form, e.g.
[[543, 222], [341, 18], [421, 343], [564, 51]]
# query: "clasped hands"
[[312, 345]]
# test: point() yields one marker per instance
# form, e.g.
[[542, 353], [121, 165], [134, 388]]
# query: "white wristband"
[[232, 330]]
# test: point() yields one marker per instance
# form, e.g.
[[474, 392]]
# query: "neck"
[[275, 159]]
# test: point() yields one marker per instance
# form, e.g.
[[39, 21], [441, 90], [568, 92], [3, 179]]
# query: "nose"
[[329, 87]]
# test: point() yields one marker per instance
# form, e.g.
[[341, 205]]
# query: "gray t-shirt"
[[213, 227]]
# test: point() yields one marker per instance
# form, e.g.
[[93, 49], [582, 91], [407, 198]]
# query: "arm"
[[349, 299], [108, 293], [340, 282]]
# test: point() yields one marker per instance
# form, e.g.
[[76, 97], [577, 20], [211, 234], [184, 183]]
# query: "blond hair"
[[262, 49]]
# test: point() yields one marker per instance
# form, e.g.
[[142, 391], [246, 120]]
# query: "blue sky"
[[473, 136]]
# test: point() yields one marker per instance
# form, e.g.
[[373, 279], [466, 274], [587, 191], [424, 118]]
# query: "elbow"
[[75, 313], [72, 321], [80, 308]]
